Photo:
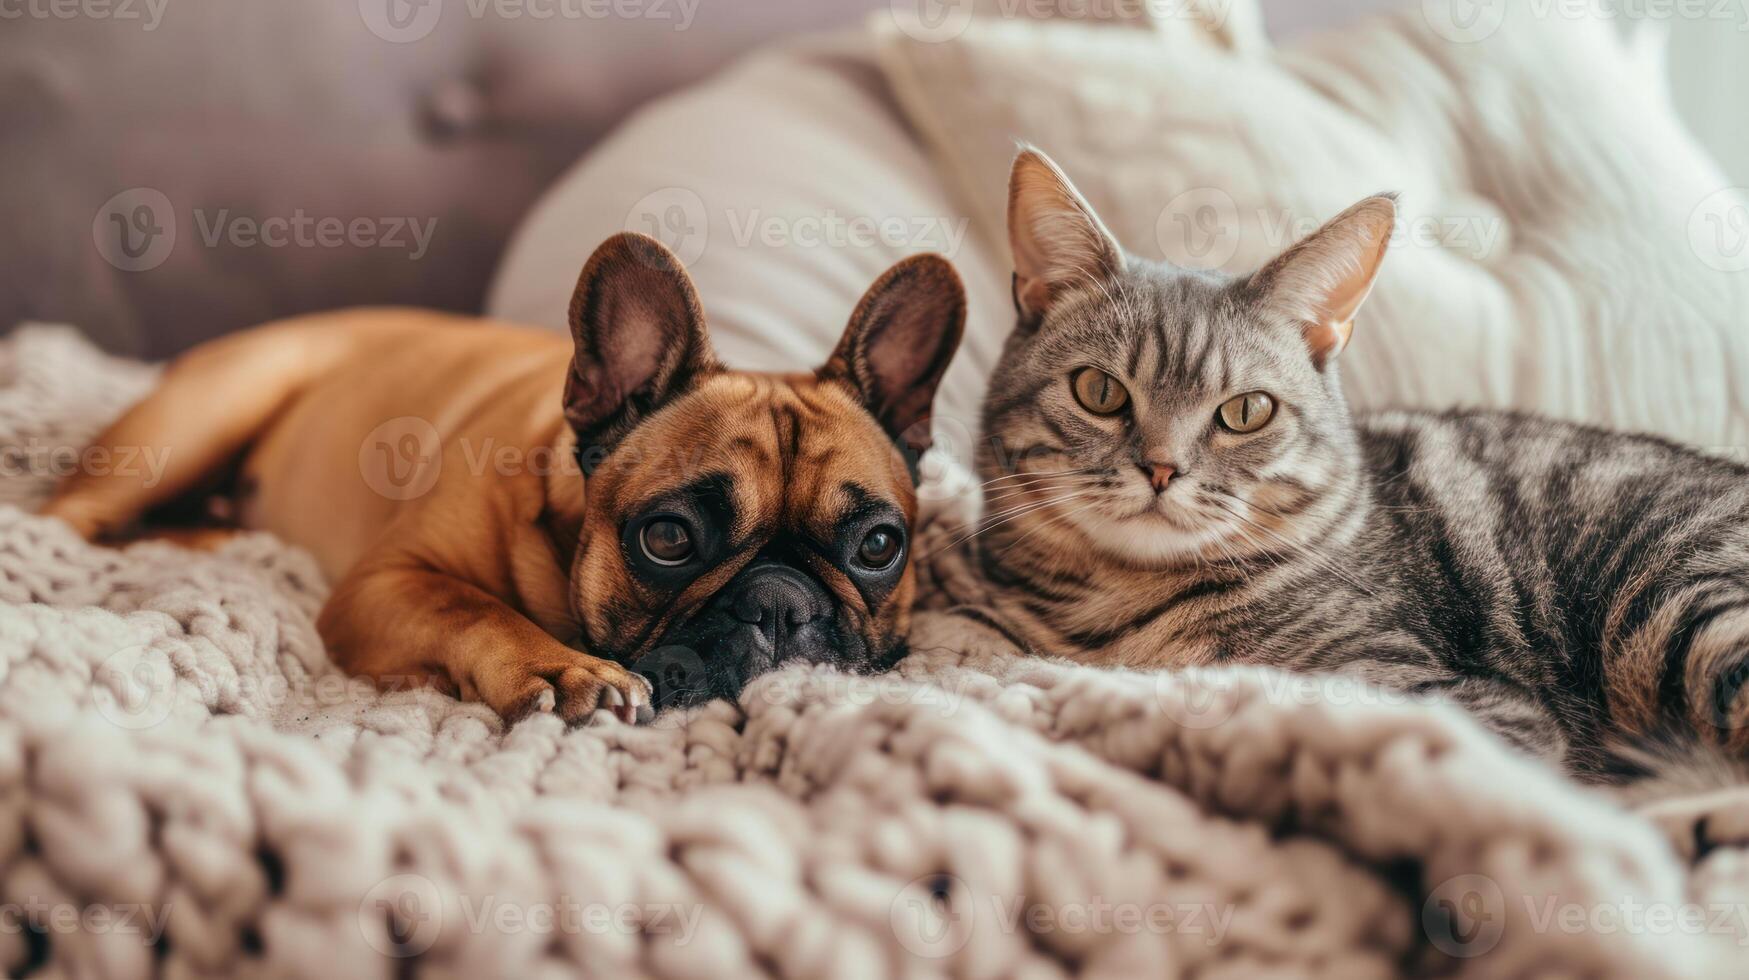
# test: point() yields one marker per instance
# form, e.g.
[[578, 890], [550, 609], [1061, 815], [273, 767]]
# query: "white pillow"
[[1566, 246]]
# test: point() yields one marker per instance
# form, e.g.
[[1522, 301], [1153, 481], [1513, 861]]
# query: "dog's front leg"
[[401, 623]]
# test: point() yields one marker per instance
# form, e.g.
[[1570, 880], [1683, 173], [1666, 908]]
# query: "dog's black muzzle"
[[769, 615]]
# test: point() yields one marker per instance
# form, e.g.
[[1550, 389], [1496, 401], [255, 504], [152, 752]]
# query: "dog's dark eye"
[[879, 548], [666, 541]]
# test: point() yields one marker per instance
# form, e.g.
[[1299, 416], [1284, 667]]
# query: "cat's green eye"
[[1247, 413], [1098, 392]]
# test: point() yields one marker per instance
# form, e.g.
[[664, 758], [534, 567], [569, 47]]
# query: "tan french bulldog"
[[536, 523]]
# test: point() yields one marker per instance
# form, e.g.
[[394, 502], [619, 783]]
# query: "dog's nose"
[[778, 601], [1159, 474]]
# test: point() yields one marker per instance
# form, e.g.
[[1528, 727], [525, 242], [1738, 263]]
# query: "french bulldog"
[[547, 524]]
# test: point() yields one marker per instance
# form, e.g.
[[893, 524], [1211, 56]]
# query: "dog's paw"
[[573, 689]]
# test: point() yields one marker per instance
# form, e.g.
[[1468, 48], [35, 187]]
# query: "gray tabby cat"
[[1175, 479]]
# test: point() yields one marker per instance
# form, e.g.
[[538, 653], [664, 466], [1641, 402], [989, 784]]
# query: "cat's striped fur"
[[1576, 589]]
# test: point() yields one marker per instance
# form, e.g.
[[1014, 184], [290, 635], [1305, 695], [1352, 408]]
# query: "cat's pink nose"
[[1159, 475]]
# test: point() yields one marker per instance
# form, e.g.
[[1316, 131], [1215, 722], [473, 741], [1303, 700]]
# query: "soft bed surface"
[[178, 759]]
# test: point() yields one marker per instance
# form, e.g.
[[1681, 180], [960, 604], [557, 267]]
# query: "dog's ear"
[[639, 338], [899, 343]]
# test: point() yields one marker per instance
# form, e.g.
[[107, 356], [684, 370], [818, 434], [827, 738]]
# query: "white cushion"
[[1567, 248]]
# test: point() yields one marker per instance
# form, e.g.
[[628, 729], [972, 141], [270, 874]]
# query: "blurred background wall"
[[196, 111]]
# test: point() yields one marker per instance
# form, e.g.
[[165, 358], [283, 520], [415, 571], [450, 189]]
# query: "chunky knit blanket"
[[189, 789]]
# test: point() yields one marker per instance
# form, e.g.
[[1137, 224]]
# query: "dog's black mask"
[[771, 614]]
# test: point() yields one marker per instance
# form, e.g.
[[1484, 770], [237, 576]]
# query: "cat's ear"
[[899, 343], [638, 335], [1058, 241], [1321, 282]]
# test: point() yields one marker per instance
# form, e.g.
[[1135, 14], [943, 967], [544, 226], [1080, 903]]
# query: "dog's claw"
[[547, 701], [623, 705]]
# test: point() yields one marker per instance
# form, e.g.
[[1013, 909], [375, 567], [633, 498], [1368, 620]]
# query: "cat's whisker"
[[1075, 484], [1034, 475], [1316, 560], [1057, 520], [1015, 508], [1018, 513]]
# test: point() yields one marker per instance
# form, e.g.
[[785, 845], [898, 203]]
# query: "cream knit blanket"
[[189, 789]]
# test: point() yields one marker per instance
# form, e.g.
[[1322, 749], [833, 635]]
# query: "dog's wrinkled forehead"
[[768, 452]]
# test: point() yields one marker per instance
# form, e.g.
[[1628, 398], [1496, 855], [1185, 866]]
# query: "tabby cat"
[[1174, 479]]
